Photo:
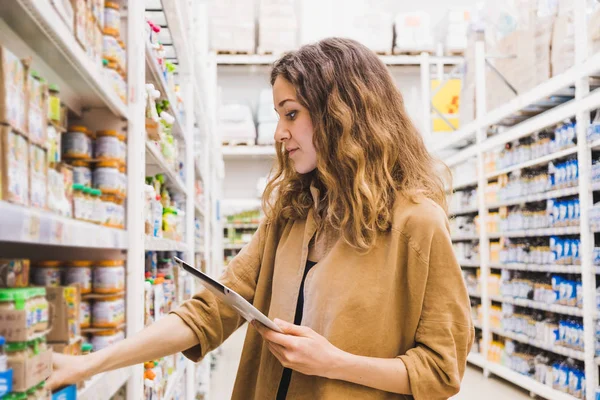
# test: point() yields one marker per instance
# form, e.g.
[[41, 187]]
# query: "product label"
[[46, 277], [76, 144], [82, 176], [108, 312], [85, 313], [82, 276], [106, 178], [109, 278], [108, 147]]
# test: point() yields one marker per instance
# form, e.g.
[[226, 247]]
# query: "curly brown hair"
[[368, 149]]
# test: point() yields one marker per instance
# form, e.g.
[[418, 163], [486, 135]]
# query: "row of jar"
[[108, 176], [92, 205], [81, 143], [102, 277], [105, 313]]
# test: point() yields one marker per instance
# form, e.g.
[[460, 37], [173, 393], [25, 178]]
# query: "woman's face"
[[294, 129]]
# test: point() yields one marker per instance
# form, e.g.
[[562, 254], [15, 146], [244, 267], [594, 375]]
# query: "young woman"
[[354, 260]]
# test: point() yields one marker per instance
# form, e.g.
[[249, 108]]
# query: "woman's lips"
[[292, 152]]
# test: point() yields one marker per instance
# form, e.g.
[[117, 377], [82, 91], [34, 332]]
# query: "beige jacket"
[[406, 298]]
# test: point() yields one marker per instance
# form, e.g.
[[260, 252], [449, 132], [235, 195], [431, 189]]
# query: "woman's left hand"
[[301, 349]]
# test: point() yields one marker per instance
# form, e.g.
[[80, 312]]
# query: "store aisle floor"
[[474, 383]]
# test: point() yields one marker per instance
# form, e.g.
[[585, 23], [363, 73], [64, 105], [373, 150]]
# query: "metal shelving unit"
[[576, 82]]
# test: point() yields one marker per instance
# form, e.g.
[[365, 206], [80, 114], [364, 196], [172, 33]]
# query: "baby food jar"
[[120, 212], [122, 147], [108, 201], [108, 312], [110, 46], [106, 177], [20, 299], [112, 18], [46, 273], [79, 272], [109, 277], [85, 314], [108, 146], [122, 180], [16, 353], [82, 172], [103, 339], [122, 58], [77, 143]]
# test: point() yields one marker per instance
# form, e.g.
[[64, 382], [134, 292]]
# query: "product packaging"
[[65, 302], [38, 177], [25, 315], [29, 372], [14, 159], [36, 108], [12, 91], [80, 22], [14, 273], [72, 348]]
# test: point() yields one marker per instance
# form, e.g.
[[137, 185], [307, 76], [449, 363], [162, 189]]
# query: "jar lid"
[[53, 87], [109, 332], [79, 263], [114, 297], [80, 163], [110, 263], [78, 128], [122, 168], [47, 264], [110, 32], [108, 164], [38, 291], [96, 192], [110, 4], [121, 43], [78, 187], [34, 74], [87, 190], [15, 346], [108, 197], [121, 136], [107, 133], [17, 295], [87, 347]]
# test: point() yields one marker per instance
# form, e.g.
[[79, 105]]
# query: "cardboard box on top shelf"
[[14, 160], [65, 301], [29, 372], [233, 26], [413, 32], [12, 91], [14, 273], [374, 29], [36, 106], [80, 13], [563, 44]]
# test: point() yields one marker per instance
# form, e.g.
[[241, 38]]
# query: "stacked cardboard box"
[[452, 31], [414, 33], [372, 24], [232, 26], [236, 124], [267, 118], [277, 26]]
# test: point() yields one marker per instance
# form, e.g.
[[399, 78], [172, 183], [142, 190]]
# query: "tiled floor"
[[473, 387]]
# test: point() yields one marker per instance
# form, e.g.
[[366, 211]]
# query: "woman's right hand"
[[67, 370]]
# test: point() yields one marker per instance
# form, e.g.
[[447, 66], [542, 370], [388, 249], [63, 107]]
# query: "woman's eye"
[[291, 115]]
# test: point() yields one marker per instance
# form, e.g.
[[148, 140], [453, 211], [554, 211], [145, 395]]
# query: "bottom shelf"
[[104, 386], [476, 359]]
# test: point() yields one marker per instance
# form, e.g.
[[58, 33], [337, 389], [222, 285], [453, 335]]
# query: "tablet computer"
[[241, 305]]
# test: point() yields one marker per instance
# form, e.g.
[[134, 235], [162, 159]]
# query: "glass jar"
[[46, 273], [110, 46], [122, 180], [77, 143], [108, 312], [109, 277], [108, 146], [106, 177], [78, 202], [82, 172], [41, 306], [103, 339], [120, 212], [109, 209], [112, 18], [85, 314], [20, 299], [113, 76], [122, 147], [79, 272], [87, 204]]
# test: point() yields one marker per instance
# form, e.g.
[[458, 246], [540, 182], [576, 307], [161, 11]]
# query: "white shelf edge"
[[173, 179], [469, 263], [234, 246], [569, 230], [536, 161], [555, 308], [595, 145], [162, 244], [476, 359], [242, 226], [476, 295], [392, 60], [464, 238], [565, 269], [557, 349], [470, 210], [536, 197], [23, 224], [261, 152], [464, 185], [104, 386], [527, 383]]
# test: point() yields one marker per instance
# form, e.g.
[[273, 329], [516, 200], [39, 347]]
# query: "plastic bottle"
[[54, 103], [3, 358]]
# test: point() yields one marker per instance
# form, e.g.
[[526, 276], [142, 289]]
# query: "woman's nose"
[[281, 133]]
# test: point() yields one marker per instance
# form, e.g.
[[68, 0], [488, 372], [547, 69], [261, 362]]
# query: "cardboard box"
[[12, 91], [38, 177], [80, 22], [14, 273], [30, 372], [15, 325], [36, 108], [14, 160], [72, 348], [65, 302]]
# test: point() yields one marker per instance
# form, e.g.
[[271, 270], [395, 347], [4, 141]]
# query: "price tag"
[[31, 227], [57, 232]]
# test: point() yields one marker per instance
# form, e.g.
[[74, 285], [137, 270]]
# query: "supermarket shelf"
[[174, 381], [156, 164], [565, 269], [242, 226], [563, 351], [28, 225], [255, 59], [527, 383], [154, 74], [199, 210], [568, 230], [162, 244], [464, 238], [259, 152], [474, 294], [477, 325], [532, 163], [469, 263], [470, 210], [234, 246], [595, 145], [105, 385], [40, 27], [476, 359], [553, 194], [464, 185], [556, 308]]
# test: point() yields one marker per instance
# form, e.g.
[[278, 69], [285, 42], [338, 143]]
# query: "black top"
[[284, 384]]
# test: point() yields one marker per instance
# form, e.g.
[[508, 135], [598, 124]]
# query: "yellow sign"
[[447, 101]]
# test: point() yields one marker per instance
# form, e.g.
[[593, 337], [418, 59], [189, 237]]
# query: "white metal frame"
[[579, 108]]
